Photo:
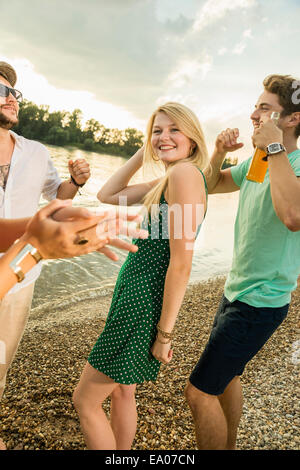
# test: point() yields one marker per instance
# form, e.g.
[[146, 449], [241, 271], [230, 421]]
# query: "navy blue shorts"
[[239, 332]]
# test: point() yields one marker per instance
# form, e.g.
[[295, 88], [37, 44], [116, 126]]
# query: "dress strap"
[[205, 184], [206, 190]]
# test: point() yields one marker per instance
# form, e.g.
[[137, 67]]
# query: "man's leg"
[[232, 404], [14, 311], [216, 418], [239, 332]]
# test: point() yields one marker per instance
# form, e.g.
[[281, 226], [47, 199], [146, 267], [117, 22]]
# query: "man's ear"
[[294, 120]]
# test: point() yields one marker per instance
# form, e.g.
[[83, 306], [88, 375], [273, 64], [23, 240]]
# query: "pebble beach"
[[36, 412]]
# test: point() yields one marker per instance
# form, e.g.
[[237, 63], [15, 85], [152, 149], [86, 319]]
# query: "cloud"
[[119, 50], [222, 51], [213, 10], [239, 48], [107, 48], [130, 54], [248, 33], [187, 70]]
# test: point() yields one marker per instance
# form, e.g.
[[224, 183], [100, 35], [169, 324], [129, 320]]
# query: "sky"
[[117, 60]]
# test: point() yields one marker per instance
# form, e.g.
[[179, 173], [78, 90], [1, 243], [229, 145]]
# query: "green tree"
[[88, 144], [93, 130], [57, 119], [58, 136], [32, 120], [74, 126], [133, 140], [113, 136]]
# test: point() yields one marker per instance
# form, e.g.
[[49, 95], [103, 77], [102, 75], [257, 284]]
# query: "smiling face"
[[9, 108], [168, 142], [266, 105]]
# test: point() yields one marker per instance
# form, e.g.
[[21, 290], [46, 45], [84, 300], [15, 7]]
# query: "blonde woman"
[[152, 282]]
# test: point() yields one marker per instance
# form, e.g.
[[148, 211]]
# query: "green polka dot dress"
[[122, 351]]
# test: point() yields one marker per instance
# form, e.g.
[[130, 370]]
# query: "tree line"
[[65, 128]]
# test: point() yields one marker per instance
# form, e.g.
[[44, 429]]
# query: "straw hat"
[[8, 72]]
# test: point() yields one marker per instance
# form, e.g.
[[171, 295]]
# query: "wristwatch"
[[275, 148]]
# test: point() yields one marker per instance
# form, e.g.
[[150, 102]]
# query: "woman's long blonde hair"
[[188, 123]]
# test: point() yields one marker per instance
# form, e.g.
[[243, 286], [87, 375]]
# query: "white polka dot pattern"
[[122, 351]]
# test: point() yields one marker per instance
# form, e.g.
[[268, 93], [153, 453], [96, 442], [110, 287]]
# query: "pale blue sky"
[[116, 60]]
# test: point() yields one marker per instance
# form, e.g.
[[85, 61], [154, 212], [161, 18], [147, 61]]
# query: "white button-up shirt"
[[31, 175]]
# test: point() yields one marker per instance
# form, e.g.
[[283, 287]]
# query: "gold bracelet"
[[36, 255], [14, 264], [163, 342], [165, 334]]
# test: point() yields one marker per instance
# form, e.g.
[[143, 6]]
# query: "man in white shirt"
[[26, 173]]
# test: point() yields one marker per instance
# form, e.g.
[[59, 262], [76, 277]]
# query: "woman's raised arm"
[[117, 185]]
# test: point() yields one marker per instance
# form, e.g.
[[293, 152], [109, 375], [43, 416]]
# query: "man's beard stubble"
[[6, 123]]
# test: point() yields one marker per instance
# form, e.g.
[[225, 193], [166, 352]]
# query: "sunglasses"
[[6, 90]]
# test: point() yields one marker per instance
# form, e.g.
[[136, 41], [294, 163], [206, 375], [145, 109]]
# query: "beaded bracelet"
[[75, 182]]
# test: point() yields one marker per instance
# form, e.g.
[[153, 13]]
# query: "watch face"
[[273, 148]]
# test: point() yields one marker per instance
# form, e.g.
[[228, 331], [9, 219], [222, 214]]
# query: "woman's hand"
[[162, 352]]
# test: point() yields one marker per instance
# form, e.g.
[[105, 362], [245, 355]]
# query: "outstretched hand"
[[55, 229]]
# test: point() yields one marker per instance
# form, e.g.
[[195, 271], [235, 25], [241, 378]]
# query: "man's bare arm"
[[221, 181]]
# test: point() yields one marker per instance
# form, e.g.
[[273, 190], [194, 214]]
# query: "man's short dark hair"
[[282, 86]]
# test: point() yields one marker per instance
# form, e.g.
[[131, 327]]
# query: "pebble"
[[36, 411]]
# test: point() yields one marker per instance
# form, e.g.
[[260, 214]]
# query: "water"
[[66, 281]]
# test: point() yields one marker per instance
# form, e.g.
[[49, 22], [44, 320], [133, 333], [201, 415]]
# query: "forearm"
[[11, 230], [285, 191], [173, 298], [120, 179], [67, 190], [7, 277], [213, 172]]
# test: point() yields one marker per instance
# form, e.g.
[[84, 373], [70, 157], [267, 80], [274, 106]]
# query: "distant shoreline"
[[102, 151]]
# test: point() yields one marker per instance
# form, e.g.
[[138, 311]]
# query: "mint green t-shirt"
[[266, 255]]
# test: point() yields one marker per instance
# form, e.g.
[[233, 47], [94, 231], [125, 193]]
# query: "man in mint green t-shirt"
[[265, 265]]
